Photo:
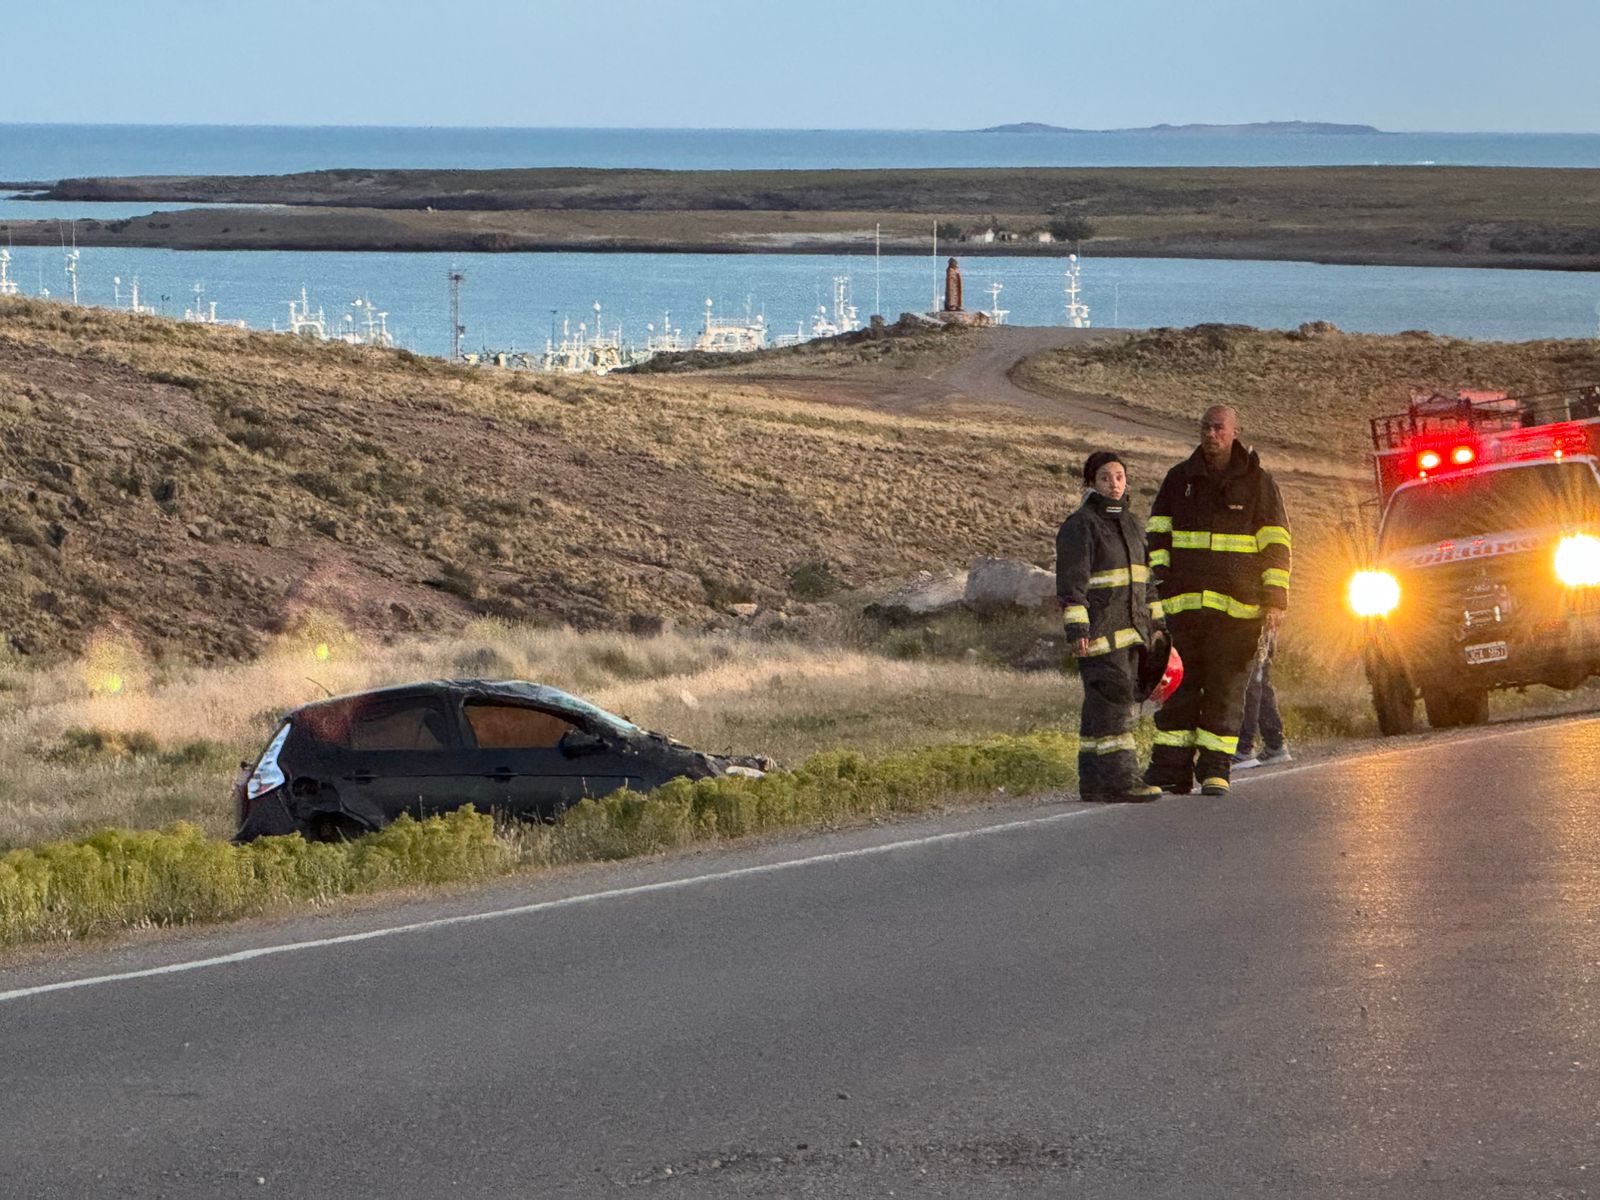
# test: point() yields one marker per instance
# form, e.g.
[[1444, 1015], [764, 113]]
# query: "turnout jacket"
[[1220, 542], [1102, 579]]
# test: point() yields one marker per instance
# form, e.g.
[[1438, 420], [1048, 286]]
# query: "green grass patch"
[[117, 880]]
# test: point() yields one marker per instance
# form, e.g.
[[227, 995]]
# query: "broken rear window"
[[515, 725]]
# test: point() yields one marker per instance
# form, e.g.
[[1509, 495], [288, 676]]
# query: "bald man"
[[1218, 545]]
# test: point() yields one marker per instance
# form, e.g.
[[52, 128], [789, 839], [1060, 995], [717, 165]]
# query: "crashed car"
[[347, 765]]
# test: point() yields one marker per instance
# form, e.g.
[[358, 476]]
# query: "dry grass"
[[168, 739]]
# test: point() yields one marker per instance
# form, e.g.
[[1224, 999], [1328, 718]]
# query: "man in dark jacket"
[[1219, 549], [1109, 610]]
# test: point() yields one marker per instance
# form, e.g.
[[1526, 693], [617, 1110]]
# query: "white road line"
[[241, 956]]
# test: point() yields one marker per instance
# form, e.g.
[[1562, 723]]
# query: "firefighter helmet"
[[1160, 670]]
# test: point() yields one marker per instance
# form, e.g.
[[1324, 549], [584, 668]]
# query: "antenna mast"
[[877, 270], [1077, 311]]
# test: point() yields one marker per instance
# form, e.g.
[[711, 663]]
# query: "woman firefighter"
[[1113, 619]]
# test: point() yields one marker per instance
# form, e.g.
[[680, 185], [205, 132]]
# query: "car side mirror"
[[576, 743]]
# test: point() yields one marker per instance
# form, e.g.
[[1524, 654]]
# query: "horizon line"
[[988, 130]]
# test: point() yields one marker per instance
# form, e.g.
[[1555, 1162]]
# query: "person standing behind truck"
[[1219, 550], [1109, 610]]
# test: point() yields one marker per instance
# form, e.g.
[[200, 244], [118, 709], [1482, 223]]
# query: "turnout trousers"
[[1202, 717], [1106, 762]]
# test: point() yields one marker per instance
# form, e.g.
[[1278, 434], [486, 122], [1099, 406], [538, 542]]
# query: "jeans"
[[1261, 710]]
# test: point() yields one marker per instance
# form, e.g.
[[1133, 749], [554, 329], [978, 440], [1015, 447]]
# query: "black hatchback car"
[[350, 764]]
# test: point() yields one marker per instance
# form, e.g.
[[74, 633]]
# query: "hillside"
[[203, 490]]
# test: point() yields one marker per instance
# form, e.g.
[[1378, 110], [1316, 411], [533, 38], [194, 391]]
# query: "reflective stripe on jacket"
[[1102, 580], [1220, 543]]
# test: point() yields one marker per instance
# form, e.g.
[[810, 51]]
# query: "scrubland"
[[1460, 216], [204, 528]]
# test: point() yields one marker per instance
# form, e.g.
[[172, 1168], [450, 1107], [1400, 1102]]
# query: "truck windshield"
[[1466, 506]]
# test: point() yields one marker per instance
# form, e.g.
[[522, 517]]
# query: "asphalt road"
[[1374, 977]]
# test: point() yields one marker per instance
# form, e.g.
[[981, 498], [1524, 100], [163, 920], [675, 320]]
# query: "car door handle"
[[501, 775], [361, 777]]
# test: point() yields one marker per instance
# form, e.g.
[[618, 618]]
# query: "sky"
[[1462, 65]]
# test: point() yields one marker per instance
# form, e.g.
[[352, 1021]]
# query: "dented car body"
[[351, 764]]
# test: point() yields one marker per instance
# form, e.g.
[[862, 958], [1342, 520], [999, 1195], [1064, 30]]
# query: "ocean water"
[[516, 301], [48, 152]]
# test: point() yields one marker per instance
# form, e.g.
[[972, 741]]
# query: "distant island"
[[1254, 127]]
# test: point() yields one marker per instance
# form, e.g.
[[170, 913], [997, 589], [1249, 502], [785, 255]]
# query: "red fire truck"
[[1487, 566]]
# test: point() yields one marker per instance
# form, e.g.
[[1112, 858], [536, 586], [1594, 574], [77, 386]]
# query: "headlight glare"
[[1578, 560], [1373, 593]]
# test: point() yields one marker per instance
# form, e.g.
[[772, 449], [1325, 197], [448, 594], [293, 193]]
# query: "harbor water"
[[518, 301]]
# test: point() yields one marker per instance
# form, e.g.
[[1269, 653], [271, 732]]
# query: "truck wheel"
[[1449, 708], [1472, 707], [1394, 700]]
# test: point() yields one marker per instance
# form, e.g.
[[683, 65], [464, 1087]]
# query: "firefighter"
[[1219, 550], [1109, 610]]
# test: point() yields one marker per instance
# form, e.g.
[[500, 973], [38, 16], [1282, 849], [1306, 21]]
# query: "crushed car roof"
[[500, 689]]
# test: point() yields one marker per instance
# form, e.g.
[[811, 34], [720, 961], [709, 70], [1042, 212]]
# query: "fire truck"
[[1486, 570]]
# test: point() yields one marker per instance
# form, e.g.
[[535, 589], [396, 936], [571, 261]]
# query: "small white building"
[[983, 235]]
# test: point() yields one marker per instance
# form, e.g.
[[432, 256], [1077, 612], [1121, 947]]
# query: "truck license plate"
[[1487, 652]]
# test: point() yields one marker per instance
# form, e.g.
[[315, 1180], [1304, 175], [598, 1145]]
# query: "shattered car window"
[[408, 725], [515, 725]]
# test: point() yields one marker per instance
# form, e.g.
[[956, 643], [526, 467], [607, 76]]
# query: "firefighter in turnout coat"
[[1219, 547], [1109, 609]]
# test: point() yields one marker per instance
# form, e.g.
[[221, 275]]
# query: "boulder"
[[999, 583], [921, 596]]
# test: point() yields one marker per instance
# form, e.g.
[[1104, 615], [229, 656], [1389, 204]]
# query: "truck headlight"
[[1375, 593], [1578, 560]]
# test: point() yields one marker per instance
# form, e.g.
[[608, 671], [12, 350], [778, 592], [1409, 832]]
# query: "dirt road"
[[982, 380]]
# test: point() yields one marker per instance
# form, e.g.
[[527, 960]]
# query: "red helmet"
[[1170, 679], [1160, 670]]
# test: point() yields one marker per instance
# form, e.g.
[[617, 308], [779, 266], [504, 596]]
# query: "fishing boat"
[[719, 336]]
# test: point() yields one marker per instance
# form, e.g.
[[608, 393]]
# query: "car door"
[[402, 755], [533, 762]]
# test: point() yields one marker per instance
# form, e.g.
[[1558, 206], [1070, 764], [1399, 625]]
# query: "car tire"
[[1394, 701]]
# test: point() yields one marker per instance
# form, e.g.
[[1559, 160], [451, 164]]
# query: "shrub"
[[119, 879], [812, 579], [1071, 229]]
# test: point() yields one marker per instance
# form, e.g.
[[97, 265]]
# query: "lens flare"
[[1578, 560], [1373, 593]]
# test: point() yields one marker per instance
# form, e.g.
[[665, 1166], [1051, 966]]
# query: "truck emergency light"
[[1462, 455]]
